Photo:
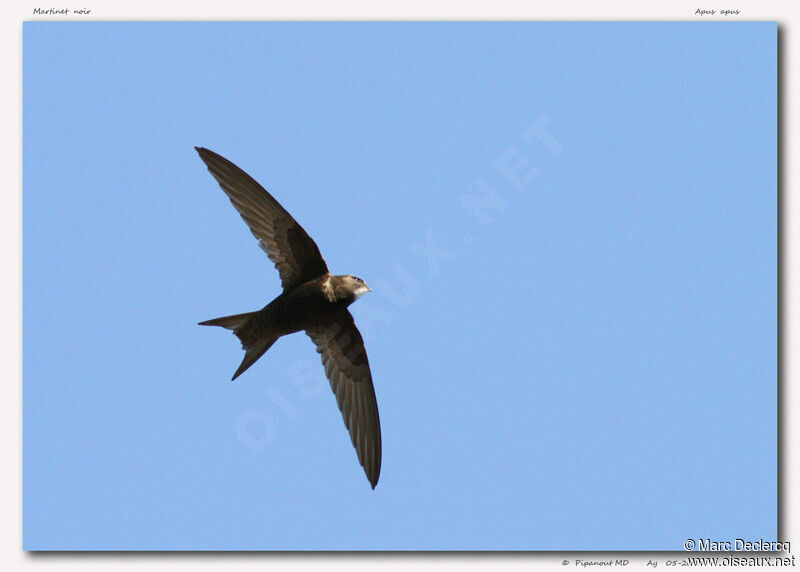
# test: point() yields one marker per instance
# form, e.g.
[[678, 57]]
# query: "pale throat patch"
[[360, 291]]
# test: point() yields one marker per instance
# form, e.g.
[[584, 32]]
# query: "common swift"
[[313, 300]]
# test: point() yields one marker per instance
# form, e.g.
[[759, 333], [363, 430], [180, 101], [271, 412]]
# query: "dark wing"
[[295, 255], [347, 368]]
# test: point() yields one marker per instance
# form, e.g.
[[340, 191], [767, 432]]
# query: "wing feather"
[[293, 252], [347, 368]]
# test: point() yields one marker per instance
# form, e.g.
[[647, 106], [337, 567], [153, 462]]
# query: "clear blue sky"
[[570, 230]]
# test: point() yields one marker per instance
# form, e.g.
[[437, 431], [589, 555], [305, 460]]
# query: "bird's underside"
[[312, 300]]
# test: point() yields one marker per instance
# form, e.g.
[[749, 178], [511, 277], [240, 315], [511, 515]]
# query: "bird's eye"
[[358, 279]]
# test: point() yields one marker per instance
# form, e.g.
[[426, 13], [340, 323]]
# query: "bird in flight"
[[313, 300]]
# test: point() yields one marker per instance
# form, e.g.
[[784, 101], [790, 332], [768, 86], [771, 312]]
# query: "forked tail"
[[254, 346]]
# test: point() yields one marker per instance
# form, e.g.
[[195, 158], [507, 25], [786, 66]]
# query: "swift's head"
[[350, 288]]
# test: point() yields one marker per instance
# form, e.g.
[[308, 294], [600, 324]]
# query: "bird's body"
[[313, 300], [307, 306]]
